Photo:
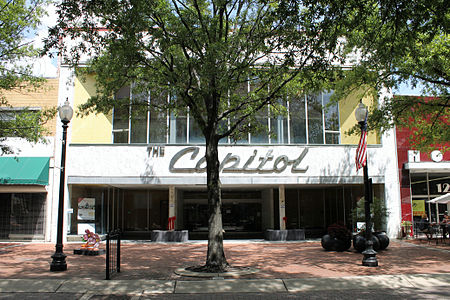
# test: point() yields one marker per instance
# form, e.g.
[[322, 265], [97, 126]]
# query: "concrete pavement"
[[92, 289]]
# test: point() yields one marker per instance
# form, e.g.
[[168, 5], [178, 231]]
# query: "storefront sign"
[[231, 163], [443, 187], [436, 156]]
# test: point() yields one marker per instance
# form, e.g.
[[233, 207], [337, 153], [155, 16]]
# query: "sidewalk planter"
[[337, 239], [382, 238], [285, 235], [169, 236], [406, 229], [334, 244], [359, 242]]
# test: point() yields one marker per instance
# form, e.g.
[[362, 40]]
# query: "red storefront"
[[423, 176]]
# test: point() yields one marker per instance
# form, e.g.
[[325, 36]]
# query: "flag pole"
[[369, 258]]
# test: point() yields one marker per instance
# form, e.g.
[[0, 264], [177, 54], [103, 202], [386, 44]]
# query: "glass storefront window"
[[22, 214], [419, 184], [439, 183], [133, 211], [195, 134], [308, 121], [297, 119], [157, 131], [139, 116], [427, 186], [331, 118], [314, 209], [139, 127], [278, 130], [261, 136], [121, 116], [315, 121]]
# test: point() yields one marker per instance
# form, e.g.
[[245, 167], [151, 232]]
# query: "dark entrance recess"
[[241, 215]]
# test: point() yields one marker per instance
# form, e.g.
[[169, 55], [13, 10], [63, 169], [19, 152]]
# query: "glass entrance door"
[[136, 211]]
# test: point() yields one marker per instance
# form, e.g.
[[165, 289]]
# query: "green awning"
[[24, 170]]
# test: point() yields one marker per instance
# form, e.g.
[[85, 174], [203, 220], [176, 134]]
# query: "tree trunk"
[[215, 258]]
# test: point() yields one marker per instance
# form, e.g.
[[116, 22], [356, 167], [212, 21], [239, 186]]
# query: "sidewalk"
[[218, 286], [289, 267]]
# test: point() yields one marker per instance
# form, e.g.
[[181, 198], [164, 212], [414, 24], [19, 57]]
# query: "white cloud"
[[47, 21], [44, 66]]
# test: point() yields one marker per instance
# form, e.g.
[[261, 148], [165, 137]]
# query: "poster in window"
[[83, 226], [418, 207], [86, 208]]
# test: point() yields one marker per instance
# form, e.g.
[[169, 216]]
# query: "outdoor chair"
[[428, 231]]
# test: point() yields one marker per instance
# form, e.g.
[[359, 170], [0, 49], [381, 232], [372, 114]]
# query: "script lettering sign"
[[231, 163]]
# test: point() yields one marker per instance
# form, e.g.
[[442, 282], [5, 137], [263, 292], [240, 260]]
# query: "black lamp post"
[[59, 258], [370, 255]]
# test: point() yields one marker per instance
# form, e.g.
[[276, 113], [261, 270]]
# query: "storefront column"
[[172, 208], [282, 203]]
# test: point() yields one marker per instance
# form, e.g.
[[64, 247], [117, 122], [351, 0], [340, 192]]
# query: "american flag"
[[361, 151]]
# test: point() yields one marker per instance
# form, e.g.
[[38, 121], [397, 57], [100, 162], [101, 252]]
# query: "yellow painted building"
[[97, 128]]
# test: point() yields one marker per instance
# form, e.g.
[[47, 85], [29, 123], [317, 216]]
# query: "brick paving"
[[272, 259]]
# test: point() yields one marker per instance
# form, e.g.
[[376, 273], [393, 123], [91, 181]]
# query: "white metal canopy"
[[441, 199]]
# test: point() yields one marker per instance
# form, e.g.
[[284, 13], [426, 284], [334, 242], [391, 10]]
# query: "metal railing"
[[112, 253]]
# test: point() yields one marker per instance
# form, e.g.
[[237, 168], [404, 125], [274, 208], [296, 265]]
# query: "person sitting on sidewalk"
[[424, 226], [446, 227]]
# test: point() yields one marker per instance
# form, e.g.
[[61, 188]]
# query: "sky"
[[406, 90], [47, 67], [44, 66]]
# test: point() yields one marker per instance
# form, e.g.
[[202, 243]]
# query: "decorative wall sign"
[[86, 208]]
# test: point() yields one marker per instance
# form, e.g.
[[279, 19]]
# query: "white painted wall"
[[134, 165]]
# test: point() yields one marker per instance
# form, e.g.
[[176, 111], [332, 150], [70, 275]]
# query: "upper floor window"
[[14, 121], [309, 120], [140, 122]]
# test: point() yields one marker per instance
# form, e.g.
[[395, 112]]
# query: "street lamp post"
[[370, 255], [59, 258]]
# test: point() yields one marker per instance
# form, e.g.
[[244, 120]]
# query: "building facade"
[[141, 173], [27, 207], [423, 177]]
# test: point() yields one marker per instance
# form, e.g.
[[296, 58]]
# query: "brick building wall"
[[43, 97]]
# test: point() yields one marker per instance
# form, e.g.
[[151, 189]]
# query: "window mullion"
[[323, 120], [129, 115], [288, 120], [188, 114], [306, 119], [148, 119]]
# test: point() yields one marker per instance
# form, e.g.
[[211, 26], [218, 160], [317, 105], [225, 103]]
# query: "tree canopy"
[[400, 42], [17, 19], [223, 60]]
